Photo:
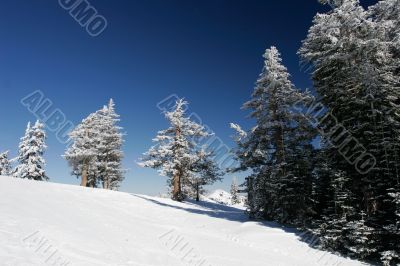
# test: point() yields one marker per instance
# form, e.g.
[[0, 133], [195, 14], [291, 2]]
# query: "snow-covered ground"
[[42, 222], [223, 197]]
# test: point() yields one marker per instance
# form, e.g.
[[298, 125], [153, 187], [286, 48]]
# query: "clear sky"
[[208, 51]]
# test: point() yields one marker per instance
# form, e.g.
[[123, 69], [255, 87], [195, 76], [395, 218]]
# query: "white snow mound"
[[223, 197], [53, 224]]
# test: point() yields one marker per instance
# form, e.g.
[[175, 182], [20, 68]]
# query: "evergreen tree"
[[234, 192], [30, 155], [390, 257], [360, 238], [203, 172], [81, 155], [95, 154], [109, 159], [356, 75], [322, 193], [5, 164], [175, 154], [278, 148]]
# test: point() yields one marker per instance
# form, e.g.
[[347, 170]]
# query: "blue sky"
[[207, 51]]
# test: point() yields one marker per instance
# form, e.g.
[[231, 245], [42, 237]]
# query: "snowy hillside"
[[223, 197], [44, 222]]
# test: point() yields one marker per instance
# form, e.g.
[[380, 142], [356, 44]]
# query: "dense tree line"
[[349, 200]]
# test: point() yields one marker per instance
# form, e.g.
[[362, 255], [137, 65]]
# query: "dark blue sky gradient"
[[206, 51]]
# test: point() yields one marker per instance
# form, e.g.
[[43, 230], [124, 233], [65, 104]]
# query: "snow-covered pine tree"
[[95, 154], [386, 15], [356, 75], [30, 155], [234, 192], [20, 170], [81, 155], [390, 257], [175, 152], [204, 171], [277, 148], [360, 238], [339, 210], [5, 164], [109, 153], [321, 185]]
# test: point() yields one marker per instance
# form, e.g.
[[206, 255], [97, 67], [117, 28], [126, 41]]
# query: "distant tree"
[[5, 164], [204, 171], [30, 155], [234, 192]]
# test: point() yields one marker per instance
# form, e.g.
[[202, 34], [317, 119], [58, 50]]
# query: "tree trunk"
[[106, 184], [176, 193], [279, 142], [84, 176], [197, 192]]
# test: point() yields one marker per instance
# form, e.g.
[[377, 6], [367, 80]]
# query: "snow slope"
[[223, 197], [42, 222]]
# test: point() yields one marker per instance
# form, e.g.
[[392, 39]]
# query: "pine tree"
[[30, 156], [234, 192], [356, 75], [390, 257], [360, 238], [5, 164], [109, 159], [176, 151], [95, 154], [203, 171], [278, 147], [81, 155], [321, 194]]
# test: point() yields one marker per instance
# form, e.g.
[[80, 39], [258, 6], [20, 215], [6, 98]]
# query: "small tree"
[[234, 192], [30, 156], [5, 164], [204, 171]]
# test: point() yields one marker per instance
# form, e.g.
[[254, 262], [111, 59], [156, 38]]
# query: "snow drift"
[[52, 224]]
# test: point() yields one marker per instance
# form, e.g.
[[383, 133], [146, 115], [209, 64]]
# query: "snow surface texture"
[[42, 222]]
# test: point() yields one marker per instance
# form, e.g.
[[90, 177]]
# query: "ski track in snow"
[[97, 227]]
